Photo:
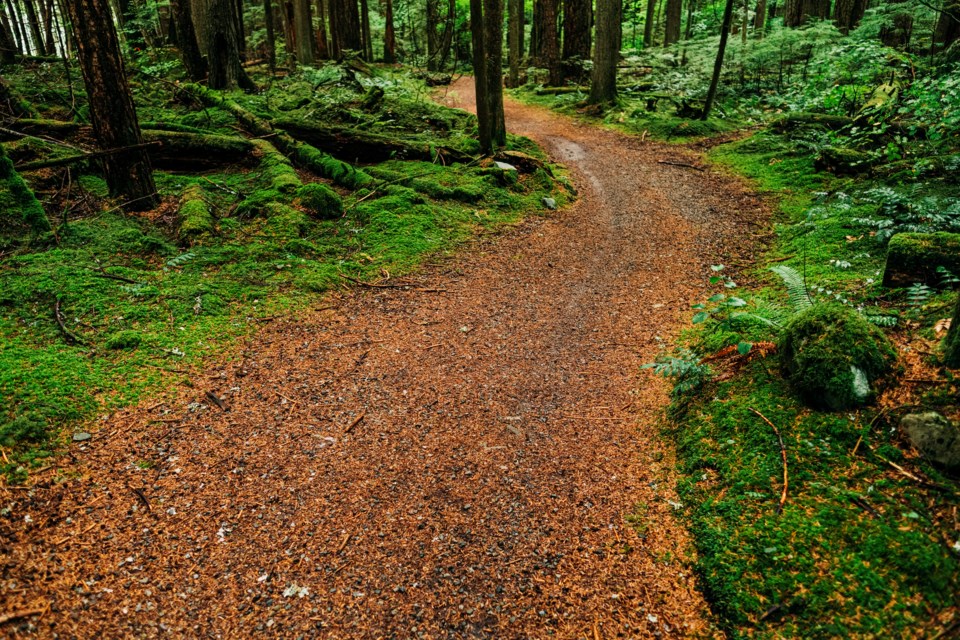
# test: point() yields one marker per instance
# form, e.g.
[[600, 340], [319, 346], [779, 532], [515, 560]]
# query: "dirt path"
[[506, 437]]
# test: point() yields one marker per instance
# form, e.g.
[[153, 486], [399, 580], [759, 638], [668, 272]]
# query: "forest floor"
[[472, 451]]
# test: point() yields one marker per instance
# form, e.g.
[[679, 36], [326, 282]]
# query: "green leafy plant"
[[907, 211], [686, 369]]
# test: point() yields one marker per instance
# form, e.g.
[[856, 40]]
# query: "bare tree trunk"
[[577, 20], [674, 17], [550, 43], [46, 10], [344, 27], [648, 23], [270, 41], [515, 46], [486, 25], [16, 25], [34, 24], [112, 113], [433, 37], [536, 34], [8, 46], [948, 25], [718, 64], [303, 35], [446, 40], [848, 13], [796, 12], [389, 34], [760, 20], [606, 52], [216, 25], [323, 44], [193, 60]]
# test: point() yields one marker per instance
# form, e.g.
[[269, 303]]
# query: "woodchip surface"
[[505, 436]]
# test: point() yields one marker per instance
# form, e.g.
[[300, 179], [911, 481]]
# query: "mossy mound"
[[320, 200], [832, 357], [23, 214]]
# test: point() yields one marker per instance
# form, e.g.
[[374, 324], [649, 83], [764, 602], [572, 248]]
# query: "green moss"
[[123, 340], [832, 357], [196, 221], [276, 170], [320, 200], [22, 214], [914, 257]]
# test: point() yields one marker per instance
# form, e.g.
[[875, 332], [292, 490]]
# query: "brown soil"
[[507, 478]]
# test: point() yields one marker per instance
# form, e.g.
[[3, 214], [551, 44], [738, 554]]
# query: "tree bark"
[[674, 18], [718, 64], [270, 39], [8, 47], [217, 30], [898, 31], [193, 60], [649, 23], [948, 25], [536, 33], [433, 37], [344, 27], [486, 26], [389, 34], [760, 20], [848, 13], [514, 43], [606, 52], [113, 116], [550, 42], [16, 25], [34, 23], [365, 37], [303, 31], [577, 19], [796, 12], [46, 10], [323, 43]]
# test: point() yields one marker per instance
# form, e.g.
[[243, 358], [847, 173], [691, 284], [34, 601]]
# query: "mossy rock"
[[843, 161], [833, 357], [124, 340], [320, 200], [914, 257], [22, 214]]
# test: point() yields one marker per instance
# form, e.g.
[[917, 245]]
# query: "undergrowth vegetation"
[[108, 305]]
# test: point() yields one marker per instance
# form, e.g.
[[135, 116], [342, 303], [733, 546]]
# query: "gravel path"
[[506, 477]]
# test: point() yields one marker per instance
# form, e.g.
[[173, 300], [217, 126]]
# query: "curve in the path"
[[506, 479]]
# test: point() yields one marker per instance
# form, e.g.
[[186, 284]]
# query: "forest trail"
[[455, 459]]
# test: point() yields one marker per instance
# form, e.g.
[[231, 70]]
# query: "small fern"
[[947, 278], [687, 371], [918, 293], [182, 259], [796, 288]]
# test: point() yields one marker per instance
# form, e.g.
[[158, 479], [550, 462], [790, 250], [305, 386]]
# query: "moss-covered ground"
[[152, 297]]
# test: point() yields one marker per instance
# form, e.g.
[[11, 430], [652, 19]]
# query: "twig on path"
[[374, 285], [58, 316], [681, 164], [26, 613], [783, 456], [355, 422], [217, 401], [343, 543]]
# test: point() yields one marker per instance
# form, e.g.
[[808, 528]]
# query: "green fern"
[[181, 259], [796, 287]]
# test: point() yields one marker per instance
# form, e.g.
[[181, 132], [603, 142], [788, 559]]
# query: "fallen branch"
[[59, 162], [16, 615], [217, 401], [681, 164], [783, 456], [355, 422], [58, 316], [374, 285]]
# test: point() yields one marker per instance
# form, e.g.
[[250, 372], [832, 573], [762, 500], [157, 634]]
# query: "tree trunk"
[[8, 47], [193, 60], [389, 34], [433, 37], [344, 27], [34, 23], [649, 23], [303, 31], [718, 64], [848, 13], [323, 44], [16, 25], [486, 25], [536, 34], [951, 346], [446, 40], [216, 24], [514, 44], [796, 12], [270, 40], [577, 19], [760, 20], [898, 31], [114, 119], [49, 45], [606, 52], [948, 25], [674, 17], [550, 42]]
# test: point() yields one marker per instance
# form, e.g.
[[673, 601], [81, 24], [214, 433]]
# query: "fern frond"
[[796, 287]]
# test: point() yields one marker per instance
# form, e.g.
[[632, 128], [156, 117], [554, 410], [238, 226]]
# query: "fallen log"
[[914, 257], [40, 127], [363, 146], [800, 120], [93, 155], [557, 91], [196, 220], [179, 150]]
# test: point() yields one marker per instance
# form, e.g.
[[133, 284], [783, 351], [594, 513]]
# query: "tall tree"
[[718, 63], [796, 12], [112, 113], [220, 39], [303, 31], [948, 24], [344, 27], [648, 23], [606, 52], [514, 41], [848, 13], [674, 18], [433, 35], [193, 60], [577, 21], [34, 23], [17, 28], [760, 19], [365, 37], [8, 46], [898, 31], [323, 43], [270, 36], [537, 27], [486, 27], [389, 34], [550, 42]]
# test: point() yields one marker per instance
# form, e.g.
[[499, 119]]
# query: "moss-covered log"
[[196, 220], [180, 150], [799, 120], [843, 161], [20, 212], [914, 257], [302, 154], [558, 91], [40, 127], [362, 146]]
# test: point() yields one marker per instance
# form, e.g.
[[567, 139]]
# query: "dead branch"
[[16, 615], [681, 164], [355, 422], [783, 457], [59, 162], [58, 316], [217, 401]]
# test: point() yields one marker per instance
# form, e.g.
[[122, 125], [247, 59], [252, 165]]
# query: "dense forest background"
[[175, 172]]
